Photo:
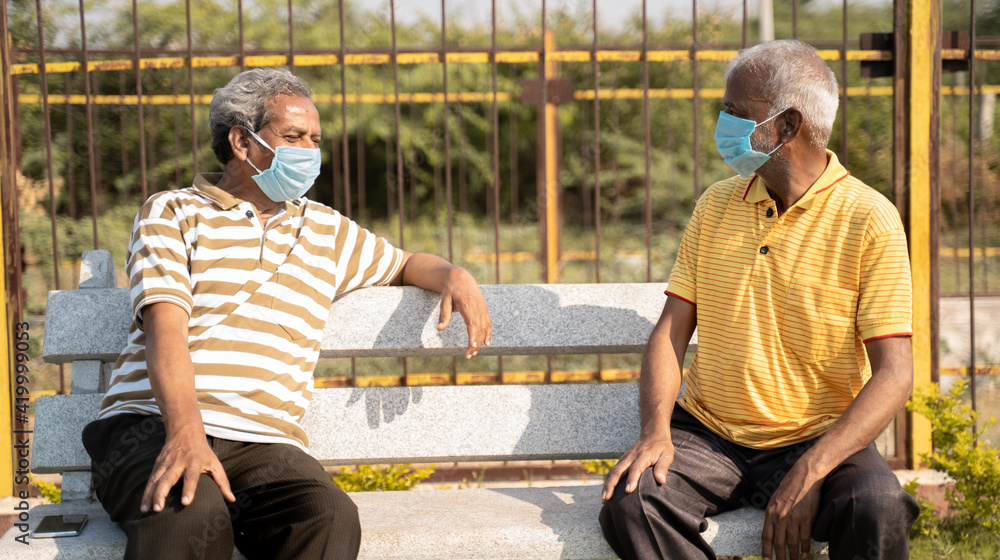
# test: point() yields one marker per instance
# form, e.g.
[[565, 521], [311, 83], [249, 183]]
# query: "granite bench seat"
[[368, 425]]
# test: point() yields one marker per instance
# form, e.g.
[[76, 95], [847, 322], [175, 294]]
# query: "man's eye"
[[292, 138]]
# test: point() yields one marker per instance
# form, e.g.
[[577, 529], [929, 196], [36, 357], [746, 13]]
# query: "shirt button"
[[250, 214], [770, 212], [763, 250]]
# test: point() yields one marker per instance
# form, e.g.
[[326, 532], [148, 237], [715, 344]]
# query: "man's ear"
[[239, 141], [789, 125]]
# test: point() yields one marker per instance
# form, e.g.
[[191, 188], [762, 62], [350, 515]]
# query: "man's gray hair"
[[245, 101], [793, 75]]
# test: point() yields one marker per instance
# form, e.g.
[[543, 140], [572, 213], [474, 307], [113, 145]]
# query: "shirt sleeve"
[[365, 259], [158, 259], [683, 277], [885, 292]]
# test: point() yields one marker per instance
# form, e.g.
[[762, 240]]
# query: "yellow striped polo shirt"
[[258, 295], [785, 304]]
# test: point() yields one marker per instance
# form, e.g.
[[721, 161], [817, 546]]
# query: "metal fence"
[[538, 144]]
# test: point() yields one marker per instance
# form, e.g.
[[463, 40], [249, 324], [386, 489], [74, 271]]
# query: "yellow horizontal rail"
[[462, 97], [508, 57], [473, 378]]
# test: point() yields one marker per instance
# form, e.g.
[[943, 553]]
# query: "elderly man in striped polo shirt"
[[198, 446], [796, 275]]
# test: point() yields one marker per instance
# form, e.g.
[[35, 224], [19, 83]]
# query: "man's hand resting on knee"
[[647, 452], [184, 458]]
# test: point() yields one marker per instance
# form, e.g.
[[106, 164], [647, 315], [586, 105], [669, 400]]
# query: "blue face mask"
[[293, 170], [732, 138]]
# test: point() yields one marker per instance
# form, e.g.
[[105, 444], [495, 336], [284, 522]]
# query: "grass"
[[978, 546]]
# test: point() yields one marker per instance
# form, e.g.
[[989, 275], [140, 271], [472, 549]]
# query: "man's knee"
[[623, 506], [331, 510], [201, 529], [887, 505]]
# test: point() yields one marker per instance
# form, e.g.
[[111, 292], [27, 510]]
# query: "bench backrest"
[[89, 326]]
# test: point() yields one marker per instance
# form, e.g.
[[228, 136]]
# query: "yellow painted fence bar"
[[516, 57], [922, 36], [463, 97]]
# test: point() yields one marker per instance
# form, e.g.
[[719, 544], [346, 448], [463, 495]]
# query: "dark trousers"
[[286, 505], [864, 513]]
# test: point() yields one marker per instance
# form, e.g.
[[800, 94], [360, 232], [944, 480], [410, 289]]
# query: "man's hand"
[[657, 452], [184, 457], [462, 294], [789, 516]]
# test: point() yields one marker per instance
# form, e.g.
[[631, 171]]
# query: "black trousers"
[[864, 513], [286, 505]]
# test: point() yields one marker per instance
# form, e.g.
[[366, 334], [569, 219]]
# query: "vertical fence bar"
[[190, 67], [696, 165], [43, 71], [843, 85], [795, 19], [514, 180], [138, 93], [243, 53], [923, 37], [10, 277], [745, 24], [91, 152], [47, 119], [496, 155], [176, 152], [496, 166], [934, 196], [399, 140], [400, 207], [291, 38], [648, 210], [70, 151], [596, 71], [345, 141], [123, 121], [447, 129], [953, 183], [971, 201]]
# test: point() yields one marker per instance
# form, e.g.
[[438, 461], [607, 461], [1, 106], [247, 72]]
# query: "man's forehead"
[[744, 88], [288, 109]]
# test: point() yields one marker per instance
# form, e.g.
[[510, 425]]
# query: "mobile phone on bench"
[[59, 526]]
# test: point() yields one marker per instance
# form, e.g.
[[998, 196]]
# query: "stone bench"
[[370, 425]]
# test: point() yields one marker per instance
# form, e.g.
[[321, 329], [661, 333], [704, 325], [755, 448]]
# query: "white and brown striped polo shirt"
[[258, 296]]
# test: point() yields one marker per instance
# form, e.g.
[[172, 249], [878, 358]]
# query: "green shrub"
[[927, 523], [975, 499], [48, 490], [599, 466], [368, 478]]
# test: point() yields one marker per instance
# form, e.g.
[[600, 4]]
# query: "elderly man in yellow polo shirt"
[[796, 275]]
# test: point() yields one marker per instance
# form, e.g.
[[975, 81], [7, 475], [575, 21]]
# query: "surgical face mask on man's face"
[[292, 172], [732, 139]]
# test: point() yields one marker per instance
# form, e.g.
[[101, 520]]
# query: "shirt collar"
[[833, 174], [205, 183]]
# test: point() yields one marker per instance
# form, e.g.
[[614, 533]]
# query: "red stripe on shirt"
[[833, 183], [902, 334], [746, 192], [669, 293]]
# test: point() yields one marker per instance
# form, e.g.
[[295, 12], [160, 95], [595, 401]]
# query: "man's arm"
[[186, 453], [793, 507], [659, 382], [459, 292]]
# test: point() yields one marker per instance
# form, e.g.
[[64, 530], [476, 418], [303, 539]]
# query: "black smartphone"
[[59, 526]]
